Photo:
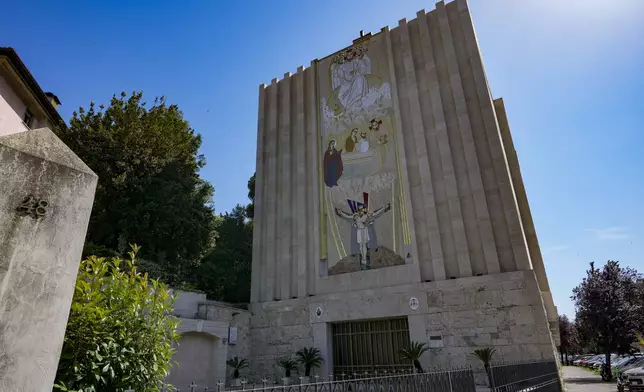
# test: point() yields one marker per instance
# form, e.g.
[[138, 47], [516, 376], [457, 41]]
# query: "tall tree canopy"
[[225, 273], [609, 310], [149, 190]]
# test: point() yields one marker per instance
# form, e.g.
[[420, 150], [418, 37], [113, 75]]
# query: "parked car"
[[625, 361], [634, 379], [601, 361], [582, 359], [591, 361], [622, 377]]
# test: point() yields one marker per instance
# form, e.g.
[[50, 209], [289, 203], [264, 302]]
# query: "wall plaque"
[[232, 336]]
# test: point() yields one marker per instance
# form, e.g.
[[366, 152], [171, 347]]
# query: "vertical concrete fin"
[[480, 234], [258, 219], [442, 104], [270, 196], [284, 207], [434, 123], [401, 148], [514, 254], [426, 210], [300, 186], [524, 206], [460, 121], [313, 177]]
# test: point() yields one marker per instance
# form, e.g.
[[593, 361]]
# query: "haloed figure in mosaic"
[[362, 221]]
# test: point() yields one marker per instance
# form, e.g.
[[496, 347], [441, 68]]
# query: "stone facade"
[[457, 211], [503, 311]]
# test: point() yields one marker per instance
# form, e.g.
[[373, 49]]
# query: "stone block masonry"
[[278, 331], [504, 311], [40, 251]]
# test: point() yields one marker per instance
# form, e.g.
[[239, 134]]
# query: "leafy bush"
[[120, 333]]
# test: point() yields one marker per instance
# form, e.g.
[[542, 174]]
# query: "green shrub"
[[120, 333]]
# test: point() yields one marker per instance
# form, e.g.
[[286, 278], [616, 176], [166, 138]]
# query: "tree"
[[565, 329], [309, 357], [575, 345], [149, 189], [250, 209], [608, 308], [225, 272], [413, 352], [119, 334]]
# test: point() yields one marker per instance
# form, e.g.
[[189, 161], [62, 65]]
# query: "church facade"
[[390, 208]]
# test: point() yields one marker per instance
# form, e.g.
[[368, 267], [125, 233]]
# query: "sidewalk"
[[581, 380]]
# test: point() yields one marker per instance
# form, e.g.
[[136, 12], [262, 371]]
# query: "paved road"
[[580, 380]]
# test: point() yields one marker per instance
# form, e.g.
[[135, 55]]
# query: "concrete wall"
[[234, 317], [204, 346], [466, 219], [39, 256], [526, 218]]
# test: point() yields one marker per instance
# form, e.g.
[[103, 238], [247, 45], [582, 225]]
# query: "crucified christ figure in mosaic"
[[361, 218]]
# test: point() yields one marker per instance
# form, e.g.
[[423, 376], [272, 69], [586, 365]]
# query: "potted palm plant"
[[237, 364], [413, 352], [485, 355], [309, 357], [289, 365]]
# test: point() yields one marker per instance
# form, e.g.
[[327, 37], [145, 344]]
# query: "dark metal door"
[[368, 346]]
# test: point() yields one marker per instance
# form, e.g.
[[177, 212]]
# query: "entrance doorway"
[[368, 346]]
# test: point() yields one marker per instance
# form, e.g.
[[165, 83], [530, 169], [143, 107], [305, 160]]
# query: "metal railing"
[[373, 369], [452, 380], [542, 376]]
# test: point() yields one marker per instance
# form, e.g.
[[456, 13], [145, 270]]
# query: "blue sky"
[[570, 72]]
